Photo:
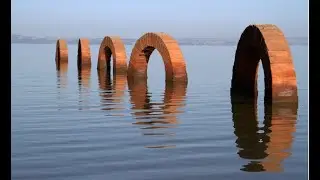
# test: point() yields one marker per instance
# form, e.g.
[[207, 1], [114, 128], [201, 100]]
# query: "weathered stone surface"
[[112, 46], [265, 42], [168, 48], [271, 145], [84, 54], [61, 52], [174, 96]]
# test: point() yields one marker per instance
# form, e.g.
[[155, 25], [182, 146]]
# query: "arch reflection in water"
[[112, 91], [84, 75], [62, 75], [62, 81], [156, 117], [265, 147]]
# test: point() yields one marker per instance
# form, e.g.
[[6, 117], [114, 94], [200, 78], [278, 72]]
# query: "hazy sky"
[[132, 18]]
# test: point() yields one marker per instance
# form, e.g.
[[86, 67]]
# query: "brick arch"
[[168, 48], [112, 46], [84, 54], [61, 52], [265, 42]]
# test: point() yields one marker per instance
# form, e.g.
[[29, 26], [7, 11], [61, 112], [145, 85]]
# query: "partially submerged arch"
[[84, 54], [265, 42], [61, 53], [112, 46], [169, 49]]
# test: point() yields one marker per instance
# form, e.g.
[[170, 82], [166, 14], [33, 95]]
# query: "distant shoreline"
[[186, 44], [19, 39]]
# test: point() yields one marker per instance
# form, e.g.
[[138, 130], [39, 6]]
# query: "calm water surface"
[[88, 125]]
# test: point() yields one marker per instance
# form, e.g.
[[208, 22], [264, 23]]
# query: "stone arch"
[[84, 54], [265, 42], [169, 49], [61, 52], [112, 46]]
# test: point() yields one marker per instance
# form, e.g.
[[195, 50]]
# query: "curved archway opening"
[[261, 95], [156, 73], [79, 56], [109, 62]]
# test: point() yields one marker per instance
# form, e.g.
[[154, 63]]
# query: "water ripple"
[[89, 124]]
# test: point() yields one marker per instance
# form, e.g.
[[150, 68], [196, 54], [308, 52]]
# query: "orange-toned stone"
[[168, 48], [84, 54], [271, 145], [61, 53], [174, 96], [112, 46], [265, 42]]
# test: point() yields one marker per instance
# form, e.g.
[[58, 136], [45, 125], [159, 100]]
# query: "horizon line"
[[138, 37]]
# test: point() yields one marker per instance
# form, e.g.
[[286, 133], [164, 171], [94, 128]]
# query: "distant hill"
[[20, 39]]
